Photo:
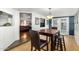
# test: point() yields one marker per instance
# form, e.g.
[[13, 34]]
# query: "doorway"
[[25, 26]]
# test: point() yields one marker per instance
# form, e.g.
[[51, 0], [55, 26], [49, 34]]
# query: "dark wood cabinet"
[[25, 28]]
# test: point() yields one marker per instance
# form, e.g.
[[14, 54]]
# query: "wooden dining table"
[[49, 33]]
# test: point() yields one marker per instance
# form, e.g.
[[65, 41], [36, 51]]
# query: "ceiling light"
[[50, 14]]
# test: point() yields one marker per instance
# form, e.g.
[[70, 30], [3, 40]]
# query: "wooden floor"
[[69, 42]]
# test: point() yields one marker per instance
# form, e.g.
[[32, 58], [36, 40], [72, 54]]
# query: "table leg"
[[52, 43]]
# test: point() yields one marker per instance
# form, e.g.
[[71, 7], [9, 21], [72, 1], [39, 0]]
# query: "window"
[[55, 22]]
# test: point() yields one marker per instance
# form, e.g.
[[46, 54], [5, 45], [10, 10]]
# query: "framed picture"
[[36, 20], [42, 22]]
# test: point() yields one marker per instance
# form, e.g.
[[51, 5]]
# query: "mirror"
[[5, 19]]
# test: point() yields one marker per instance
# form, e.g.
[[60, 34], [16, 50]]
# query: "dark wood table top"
[[48, 31], [51, 33]]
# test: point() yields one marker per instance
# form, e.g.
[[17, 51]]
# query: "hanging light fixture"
[[50, 14]]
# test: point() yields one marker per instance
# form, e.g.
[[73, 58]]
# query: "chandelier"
[[50, 14]]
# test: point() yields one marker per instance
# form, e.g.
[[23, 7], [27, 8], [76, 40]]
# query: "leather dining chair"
[[36, 42]]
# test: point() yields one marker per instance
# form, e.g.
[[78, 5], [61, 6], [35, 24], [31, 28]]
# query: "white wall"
[[11, 33], [77, 28], [34, 26], [34, 14]]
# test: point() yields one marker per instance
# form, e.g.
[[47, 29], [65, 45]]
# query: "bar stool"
[[59, 42]]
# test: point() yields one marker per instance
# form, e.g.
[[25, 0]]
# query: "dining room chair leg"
[[31, 48], [64, 44], [47, 47], [39, 50], [61, 48], [57, 45]]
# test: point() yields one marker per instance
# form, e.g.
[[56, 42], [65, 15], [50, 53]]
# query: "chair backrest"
[[35, 40], [54, 27]]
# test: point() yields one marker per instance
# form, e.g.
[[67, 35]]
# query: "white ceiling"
[[56, 12]]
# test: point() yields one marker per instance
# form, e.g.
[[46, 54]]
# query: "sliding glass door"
[[64, 26]]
